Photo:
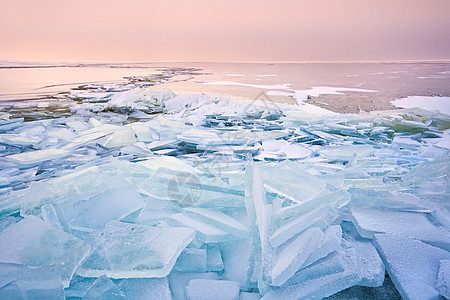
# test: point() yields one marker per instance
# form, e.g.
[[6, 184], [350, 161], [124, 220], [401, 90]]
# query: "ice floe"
[[143, 194]]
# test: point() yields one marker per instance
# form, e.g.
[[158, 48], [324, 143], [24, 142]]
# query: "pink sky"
[[224, 30]]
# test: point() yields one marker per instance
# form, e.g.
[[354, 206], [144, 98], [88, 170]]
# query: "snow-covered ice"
[[441, 104]]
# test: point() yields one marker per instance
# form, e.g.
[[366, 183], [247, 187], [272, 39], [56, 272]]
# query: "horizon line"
[[434, 60]]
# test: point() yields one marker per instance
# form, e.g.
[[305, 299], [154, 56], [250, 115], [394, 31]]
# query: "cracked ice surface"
[[150, 194]]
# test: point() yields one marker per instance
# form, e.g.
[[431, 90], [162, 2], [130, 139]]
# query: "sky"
[[224, 30]]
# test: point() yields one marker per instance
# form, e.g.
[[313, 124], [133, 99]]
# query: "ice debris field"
[[143, 194]]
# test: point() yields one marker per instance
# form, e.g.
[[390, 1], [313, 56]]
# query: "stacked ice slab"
[[222, 199]]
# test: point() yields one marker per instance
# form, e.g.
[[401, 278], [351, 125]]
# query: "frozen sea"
[[391, 81], [224, 180]]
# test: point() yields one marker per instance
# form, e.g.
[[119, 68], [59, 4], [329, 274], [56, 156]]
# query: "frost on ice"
[[145, 193]]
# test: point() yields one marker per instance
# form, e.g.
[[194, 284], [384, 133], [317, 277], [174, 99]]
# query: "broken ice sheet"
[[42, 246], [394, 163], [135, 251]]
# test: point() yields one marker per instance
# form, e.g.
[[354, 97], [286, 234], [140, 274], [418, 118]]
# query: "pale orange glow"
[[219, 30]]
